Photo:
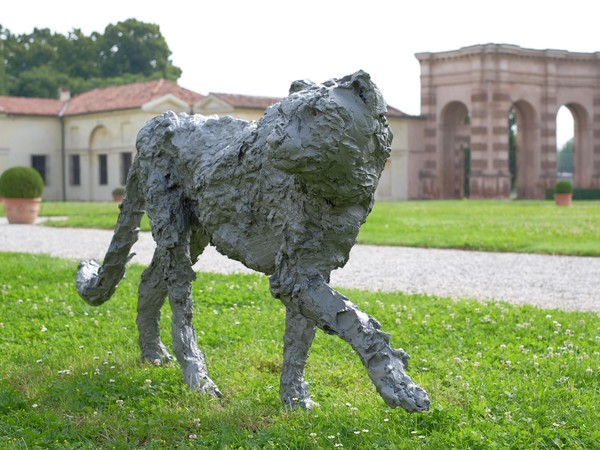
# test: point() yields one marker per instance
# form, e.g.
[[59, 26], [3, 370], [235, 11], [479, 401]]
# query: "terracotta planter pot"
[[118, 197], [21, 210], [563, 199]]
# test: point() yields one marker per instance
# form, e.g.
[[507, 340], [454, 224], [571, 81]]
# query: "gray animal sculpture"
[[285, 196]]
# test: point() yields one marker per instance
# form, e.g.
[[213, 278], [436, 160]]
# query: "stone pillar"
[[595, 181], [428, 174], [490, 177], [548, 109]]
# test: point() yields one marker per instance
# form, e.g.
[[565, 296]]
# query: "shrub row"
[[578, 194]]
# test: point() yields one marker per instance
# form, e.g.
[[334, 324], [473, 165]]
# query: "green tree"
[[37, 64], [565, 157], [135, 47]]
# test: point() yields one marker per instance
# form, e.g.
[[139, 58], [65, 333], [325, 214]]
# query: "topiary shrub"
[[118, 191], [21, 182], [563, 187]]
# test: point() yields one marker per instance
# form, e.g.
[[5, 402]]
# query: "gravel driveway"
[[565, 282]]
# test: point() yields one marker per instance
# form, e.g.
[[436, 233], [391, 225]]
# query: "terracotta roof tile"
[[30, 106], [393, 112], [246, 101], [257, 102], [128, 96]]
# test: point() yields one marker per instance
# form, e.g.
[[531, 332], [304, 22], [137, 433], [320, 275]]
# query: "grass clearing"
[[499, 376], [487, 225]]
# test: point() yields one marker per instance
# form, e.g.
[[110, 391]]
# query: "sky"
[[259, 47]]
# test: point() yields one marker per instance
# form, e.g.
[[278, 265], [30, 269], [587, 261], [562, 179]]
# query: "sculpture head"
[[333, 137]]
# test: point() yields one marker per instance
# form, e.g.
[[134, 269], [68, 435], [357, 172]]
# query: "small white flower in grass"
[[35, 405], [386, 420], [357, 432], [502, 346], [43, 329], [338, 445], [193, 436], [313, 435], [365, 431], [111, 380], [197, 422], [476, 365], [331, 436], [148, 382], [39, 361], [589, 371], [120, 402]]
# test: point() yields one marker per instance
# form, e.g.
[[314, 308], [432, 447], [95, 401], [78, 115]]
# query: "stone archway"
[[489, 80]]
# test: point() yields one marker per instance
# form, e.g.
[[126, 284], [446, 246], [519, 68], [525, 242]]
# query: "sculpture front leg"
[[299, 334], [333, 313]]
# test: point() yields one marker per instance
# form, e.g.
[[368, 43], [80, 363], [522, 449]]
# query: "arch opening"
[[565, 134], [456, 154]]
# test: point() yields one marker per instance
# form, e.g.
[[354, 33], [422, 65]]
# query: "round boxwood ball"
[[21, 182]]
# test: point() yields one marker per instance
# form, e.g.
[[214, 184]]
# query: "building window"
[[103, 169], [75, 172], [126, 158], [38, 162]]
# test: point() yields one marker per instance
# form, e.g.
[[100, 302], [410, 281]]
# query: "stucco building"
[[83, 146]]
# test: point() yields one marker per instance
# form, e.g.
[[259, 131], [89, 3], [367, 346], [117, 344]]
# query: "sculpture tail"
[[95, 283]]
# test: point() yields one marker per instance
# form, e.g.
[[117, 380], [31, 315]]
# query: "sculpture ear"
[[367, 91], [299, 85]]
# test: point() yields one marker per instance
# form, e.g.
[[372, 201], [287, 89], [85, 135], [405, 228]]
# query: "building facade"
[[83, 146]]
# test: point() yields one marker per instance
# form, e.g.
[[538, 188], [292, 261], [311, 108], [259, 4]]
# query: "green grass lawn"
[[505, 226], [499, 376], [488, 225]]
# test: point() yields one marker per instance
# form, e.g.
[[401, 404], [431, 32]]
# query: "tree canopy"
[[37, 64]]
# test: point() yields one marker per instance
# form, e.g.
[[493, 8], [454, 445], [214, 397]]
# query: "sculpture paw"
[[158, 357], [293, 396], [199, 381], [395, 386]]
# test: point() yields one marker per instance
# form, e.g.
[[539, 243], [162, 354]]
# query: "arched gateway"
[[466, 97]]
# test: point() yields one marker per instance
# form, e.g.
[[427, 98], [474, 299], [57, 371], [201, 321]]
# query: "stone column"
[[428, 174], [548, 110], [490, 177]]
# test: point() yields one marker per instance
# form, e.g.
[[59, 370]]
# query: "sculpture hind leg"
[[152, 294], [179, 277], [333, 313], [298, 337], [177, 240]]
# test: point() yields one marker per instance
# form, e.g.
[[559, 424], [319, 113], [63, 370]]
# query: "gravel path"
[[565, 282]]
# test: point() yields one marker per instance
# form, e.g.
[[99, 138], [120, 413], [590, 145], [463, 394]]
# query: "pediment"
[[165, 103], [212, 105]]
